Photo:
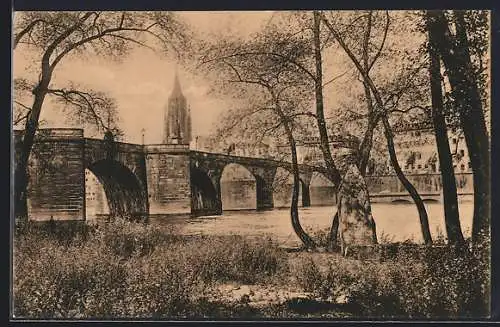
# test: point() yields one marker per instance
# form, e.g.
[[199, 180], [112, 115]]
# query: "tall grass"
[[125, 269], [439, 282], [132, 270]]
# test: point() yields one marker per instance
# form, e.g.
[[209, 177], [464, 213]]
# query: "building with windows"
[[417, 152]]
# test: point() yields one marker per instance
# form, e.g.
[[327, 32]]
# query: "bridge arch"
[[238, 188], [125, 194], [205, 195]]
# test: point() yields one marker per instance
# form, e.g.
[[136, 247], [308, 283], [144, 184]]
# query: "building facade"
[[417, 151]]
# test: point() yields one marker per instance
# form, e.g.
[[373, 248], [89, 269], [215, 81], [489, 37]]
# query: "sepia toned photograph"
[[325, 165]]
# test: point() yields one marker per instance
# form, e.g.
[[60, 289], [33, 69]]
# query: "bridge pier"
[[264, 178], [56, 171], [168, 178], [264, 195], [306, 195], [206, 201]]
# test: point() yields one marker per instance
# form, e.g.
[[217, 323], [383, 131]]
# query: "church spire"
[[176, 91], [177, 116]]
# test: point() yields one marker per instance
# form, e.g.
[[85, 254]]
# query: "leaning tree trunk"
[[456, 58], [21, 172], [422, 213], [424, 223], [294, 208], [450, 201], [364, 155], [367, 143], [478, 136]]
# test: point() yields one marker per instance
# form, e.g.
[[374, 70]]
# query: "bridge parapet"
[[166, 148], [59, 134], [256, 162]]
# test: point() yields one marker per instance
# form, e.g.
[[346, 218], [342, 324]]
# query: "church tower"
[[177, 117]]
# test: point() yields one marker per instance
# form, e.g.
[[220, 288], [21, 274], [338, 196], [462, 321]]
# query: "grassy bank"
[[130, 270]]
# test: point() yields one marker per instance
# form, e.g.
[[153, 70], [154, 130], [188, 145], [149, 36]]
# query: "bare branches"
[[52, 46], [404, 111], [26, 30], [58, 34], [90, 105], [383, 41], [21, 115], [334, 79], [262, 53]]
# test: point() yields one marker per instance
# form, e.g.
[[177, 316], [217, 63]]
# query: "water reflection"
[[396, 222]]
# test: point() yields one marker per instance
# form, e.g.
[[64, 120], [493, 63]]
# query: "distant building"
[[177, 117], [417, 151], [264, 149]]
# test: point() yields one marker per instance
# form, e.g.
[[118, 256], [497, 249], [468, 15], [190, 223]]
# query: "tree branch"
[[88, 103], [27, 29], [383, 41], [50, 49]]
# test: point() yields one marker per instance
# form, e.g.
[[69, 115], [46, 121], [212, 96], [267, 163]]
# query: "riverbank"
[[135, 271]]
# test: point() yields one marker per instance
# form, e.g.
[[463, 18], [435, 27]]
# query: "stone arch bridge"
[[137, 179], [169, 178]]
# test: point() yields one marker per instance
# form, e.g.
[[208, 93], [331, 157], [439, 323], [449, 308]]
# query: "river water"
[[395, 222]]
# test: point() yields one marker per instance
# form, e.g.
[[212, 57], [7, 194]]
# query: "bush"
[[442, 282], [236, 258], [67, 282], [160, 286], [125, 238]]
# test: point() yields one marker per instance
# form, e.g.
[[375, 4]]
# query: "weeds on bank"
[[132, 270], [419, 282], [125, 269]]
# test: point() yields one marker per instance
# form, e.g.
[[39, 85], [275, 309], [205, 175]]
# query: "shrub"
[[159, 286], [442, 282], [125, 238], [70, 282], [236, 258], [322, 237], [130, 270]]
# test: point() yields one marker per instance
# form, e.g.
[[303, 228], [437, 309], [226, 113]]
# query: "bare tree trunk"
[[320, 115], [366, 144], [424, 223], [422, 213], [349, 201], [323, 133], [356, 224], [21, 172], [465, 91], [478, 141], [294, 208], [451, 213], [456, 58]]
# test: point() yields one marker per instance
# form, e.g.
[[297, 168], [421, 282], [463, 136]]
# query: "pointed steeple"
[[176, 91], [177, 116]]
